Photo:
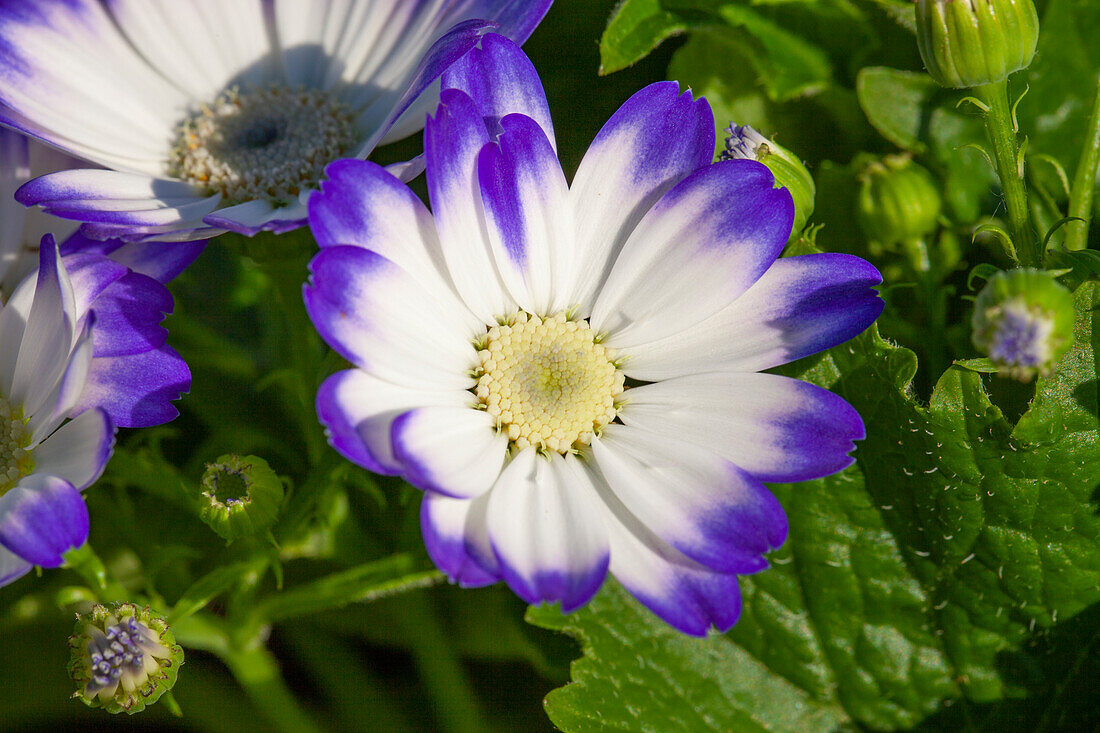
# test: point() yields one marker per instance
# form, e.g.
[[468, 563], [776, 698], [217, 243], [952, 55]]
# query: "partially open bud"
[[242, 496], [898, 201], [745, 142], [968, 43], [1023, 319], [122, 657]]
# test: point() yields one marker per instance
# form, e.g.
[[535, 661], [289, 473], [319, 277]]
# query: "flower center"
[[15, 459], [267, 144], [124, 653], [548, 382]]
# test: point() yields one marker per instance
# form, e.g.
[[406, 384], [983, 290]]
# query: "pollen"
[[548, 382], [15, 459], [267, 144]]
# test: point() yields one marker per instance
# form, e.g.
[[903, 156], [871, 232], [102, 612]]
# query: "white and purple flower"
[[134, 374], [214, 115], [46, 348], [572, 373]]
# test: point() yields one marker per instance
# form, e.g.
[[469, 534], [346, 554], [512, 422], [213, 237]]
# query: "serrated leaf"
[[906, 580]]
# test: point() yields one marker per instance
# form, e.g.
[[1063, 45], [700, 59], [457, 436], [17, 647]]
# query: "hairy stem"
[[1006, 154], [1084, 182]]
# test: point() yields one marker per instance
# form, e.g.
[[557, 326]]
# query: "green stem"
[[1084, 182], [84, 562], [254, 668], [1006, 154]]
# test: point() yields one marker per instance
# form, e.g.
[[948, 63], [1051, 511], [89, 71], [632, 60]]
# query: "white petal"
[[78, 450], [454, 451]]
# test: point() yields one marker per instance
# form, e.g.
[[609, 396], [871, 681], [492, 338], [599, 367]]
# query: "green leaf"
[[894, 102], [907, 580], [637, 27]]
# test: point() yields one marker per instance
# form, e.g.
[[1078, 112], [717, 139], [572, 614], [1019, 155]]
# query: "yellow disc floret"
[[548, 382], [15, 460]]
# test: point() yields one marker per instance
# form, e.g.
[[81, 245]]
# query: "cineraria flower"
[[134, 374], [571, 373], [45, 356], [212, 115]]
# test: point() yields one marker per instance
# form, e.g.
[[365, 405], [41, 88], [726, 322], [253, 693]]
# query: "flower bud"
[[968, 43], [122, 657], [898, 201], [242, 496], [1023, 319], [745, 142]]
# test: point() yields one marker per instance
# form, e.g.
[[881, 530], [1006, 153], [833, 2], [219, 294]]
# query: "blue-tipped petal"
[[77, 451], [162, 261], [137, 390], [655, 140], [501, 80], [42, 518], [448, 525], [545, 526], [775, 428], [800, 306], [451, 450], [697, 250], [12, 567]]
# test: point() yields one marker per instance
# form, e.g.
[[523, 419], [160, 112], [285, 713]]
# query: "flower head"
[[242, 496], [570, 372], [1024, 320], [968, 43], [211, 115], [45, 460], [122, 657], [134, 374]]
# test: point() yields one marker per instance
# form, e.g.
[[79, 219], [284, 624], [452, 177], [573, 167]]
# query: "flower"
[[570, 372], [134, 374], [45, 355], [212, 115], [122, 657], [1024, 320]]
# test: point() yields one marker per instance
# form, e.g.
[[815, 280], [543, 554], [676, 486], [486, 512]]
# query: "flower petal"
[[450, 528], [703, 244], [78, 451], [800, 306], [527, 215], [694, 500], [654, 141], [383, 320], [775, 428], [501, 80], [253, 217], [454, 451], [452, 141], [136, 390], [358, 411], [546, 528], [12, 567], [42, 518], [162, 261], [362, 204]]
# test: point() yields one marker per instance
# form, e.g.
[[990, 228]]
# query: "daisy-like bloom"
[[571, 372], [134, 374], [214, 115], [45, 460]]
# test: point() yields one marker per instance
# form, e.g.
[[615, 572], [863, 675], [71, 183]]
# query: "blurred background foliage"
[[838, 82]]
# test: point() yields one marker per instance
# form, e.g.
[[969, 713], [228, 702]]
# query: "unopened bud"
[[898, 201], [122, 657], [1023, 319], [968, 43], [242, 496], [789, 172]]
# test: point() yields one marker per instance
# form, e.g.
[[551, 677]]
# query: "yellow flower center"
[[15, 459], [548, 382], [266, 144]]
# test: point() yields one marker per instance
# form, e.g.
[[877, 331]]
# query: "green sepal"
[[970, 43], [898, 201]]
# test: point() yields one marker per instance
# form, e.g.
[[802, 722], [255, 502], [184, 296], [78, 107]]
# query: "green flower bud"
[[1023, 319], [122, 657], [745, 142], [968, 43], [242, 496], [898, 201]]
